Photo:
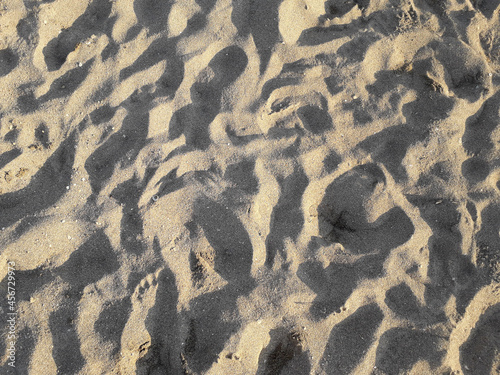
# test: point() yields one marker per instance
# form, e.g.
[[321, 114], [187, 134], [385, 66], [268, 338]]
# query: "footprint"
[[488, 242], [90, 22], [128, 194], [452, 68], [390, 145], [111, 323], [88, 264], [490, 42], [193, 120], [486, 7], [338, 8], [121, 147], [285, 78], [449, 271], [42, 135], [102, 114], [46, 187], [400, 348], [287, 216], [162, 49], [335, 284], [227, 251], [68, 83], [475, 170], [8, 61], [477, 137], [480, 354], [361, 112], [259, 18], [92, 261], [139, 352], [27, 28], [212, 321], [315, 119], [284, 115], [233, 250], [150, 342], [152, 14], [350, 340], [242, 176], [66, 342], [199, 268], [320, 35], [288, 355], [352, 213], [404, 303]]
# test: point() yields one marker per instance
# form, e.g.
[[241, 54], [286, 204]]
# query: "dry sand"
[[250, 186]]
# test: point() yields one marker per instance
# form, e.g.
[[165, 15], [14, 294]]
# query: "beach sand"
[[250, 187]]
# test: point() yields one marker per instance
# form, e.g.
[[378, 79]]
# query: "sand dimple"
[[251, 187]]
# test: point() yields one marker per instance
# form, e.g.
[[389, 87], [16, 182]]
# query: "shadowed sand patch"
[[244, 187]]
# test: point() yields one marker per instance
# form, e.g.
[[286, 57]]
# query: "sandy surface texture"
[[239, 187]]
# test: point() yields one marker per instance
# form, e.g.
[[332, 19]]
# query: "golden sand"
[[250, 187]]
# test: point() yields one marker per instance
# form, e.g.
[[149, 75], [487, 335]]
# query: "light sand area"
[[239, 187]]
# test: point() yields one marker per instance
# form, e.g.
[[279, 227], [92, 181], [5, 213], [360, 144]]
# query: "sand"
[[250, 187]]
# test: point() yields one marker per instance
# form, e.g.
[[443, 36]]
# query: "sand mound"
[[250, 187]]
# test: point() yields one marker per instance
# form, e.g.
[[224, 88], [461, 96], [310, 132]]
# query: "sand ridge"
[[251, 187]]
